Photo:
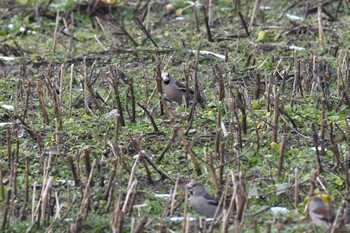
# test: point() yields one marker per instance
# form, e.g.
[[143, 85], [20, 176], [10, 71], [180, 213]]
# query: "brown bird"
[[320, 213], [175, 90], [201, 201]]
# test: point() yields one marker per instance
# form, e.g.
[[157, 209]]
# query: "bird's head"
[[166, 77], [195, 188]]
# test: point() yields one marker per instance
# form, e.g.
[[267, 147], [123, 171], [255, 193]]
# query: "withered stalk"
[[166, 148], [133, 101], [71, 88], [26, 103], [220, 79], [73, 169], [55, 32], [141, 224], [184, 140], [319, 20], [105, 195], [158, 77], [86, 155], [281, 155], [42, 103], [212, 172], [207, 23], [114, 71], [275, 118]]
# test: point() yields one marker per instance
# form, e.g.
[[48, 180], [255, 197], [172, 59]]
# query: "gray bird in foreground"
[[320, 213], [176, 91], [201, 201]]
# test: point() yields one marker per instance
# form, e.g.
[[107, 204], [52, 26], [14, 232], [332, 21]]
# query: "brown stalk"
[[6, 209], [127, 34], [183, 139], [239, 128], [207, 24], [115, 83], [150, 117], [83, 211], [275, 118], [55, 32], [217, 132], [133, 101], [222, 163], [86, 156], [166, 148], [257, 89], [335, 149], [281, 155], [141, 224], [9, 148], [71, 88], [42, 104], [323, 128], [73, 169], [26, 104], [220, 79], [144, 30], [319, 20], [2, 188], [158, 77], [118, 220], [296, 189], [316, 140], [57, 139], [105, 195], [213, 176], [241, 104], [256, 7], [245, 28]]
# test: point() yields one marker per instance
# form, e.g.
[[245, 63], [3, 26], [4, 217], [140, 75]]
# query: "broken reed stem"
[[213, 177], [183, 139], [323, 128], [158, 77], [275, 118], [105, 195], [114, 71], [2, 188], [196, 17], [220, 79], [144, 30], [207, 23], [296, 189], [316, 140], [71, 88], [26, 103], [150, 117], [166, 148], [133, 101], [55, 32], [281, 155], [217, 132], [57, 139], [42, 103], [141, 224], [319, 20], [173, 195], [86, 155], [73, 169], [256, 6], [9, 149]]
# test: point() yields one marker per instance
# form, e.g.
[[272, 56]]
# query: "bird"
[[201, 201], [175, 90], [320, 213]]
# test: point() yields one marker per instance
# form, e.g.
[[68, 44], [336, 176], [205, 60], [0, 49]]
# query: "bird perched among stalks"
[[320, 213], [175, 90], [201, 201]]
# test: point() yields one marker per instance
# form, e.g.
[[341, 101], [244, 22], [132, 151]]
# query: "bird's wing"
[[211, 200]]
